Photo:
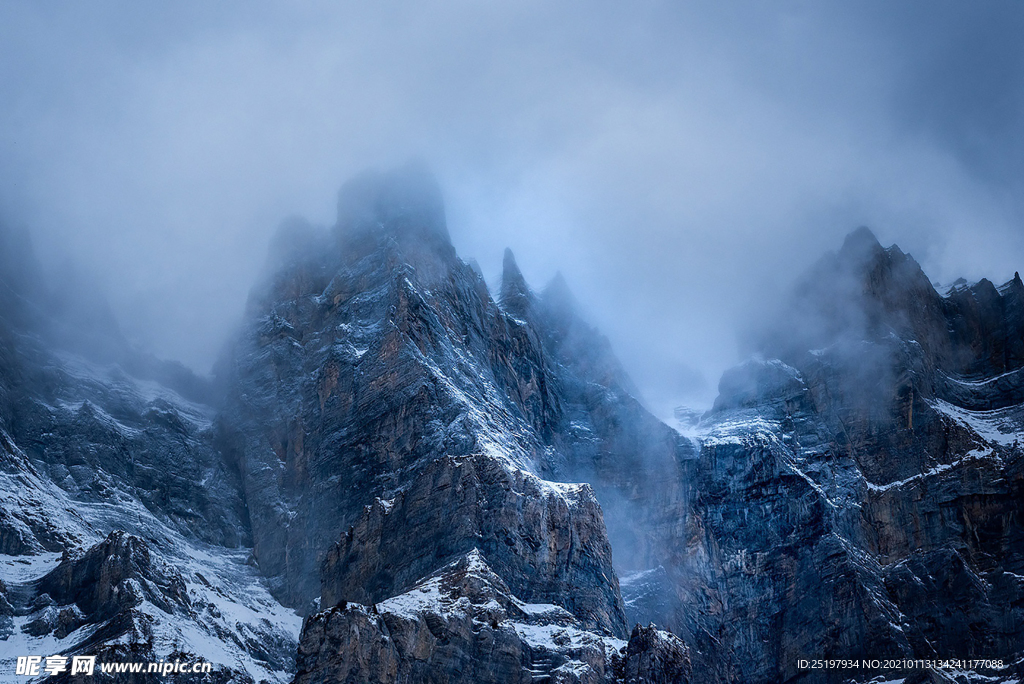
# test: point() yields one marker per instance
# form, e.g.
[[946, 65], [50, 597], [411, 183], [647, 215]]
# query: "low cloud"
[[679, 165]]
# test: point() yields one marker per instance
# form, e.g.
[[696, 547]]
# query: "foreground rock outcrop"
[[464, 624], [112, 577]]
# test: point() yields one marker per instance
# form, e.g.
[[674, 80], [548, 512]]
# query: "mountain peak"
[[404, 203], [860, 246]]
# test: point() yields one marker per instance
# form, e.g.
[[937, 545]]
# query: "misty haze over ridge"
[[680, 166]]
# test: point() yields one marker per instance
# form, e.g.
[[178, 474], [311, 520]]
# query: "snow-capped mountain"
[[397, 477]]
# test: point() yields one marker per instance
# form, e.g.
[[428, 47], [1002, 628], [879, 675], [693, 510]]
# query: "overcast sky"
[[679, 162]]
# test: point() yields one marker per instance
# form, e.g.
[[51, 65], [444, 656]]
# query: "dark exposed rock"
[[547, 540], [516, 297], [602, 434], [361, 366], [448, 628], [794, 484], [861, 498], [378, 354], [114, 576], [866, 292], [653, 657], [6, 609], [104, 420], [382, 352]]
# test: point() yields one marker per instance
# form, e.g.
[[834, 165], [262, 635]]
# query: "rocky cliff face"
[[389, 417], [376, 351], [451, 487], [860, 494], [546, 538], [372, 353]]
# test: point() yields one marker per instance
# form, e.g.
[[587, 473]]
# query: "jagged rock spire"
[[861, 250], [515, 295], [1014, 285]]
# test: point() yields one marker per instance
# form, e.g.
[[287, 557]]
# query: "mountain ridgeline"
[[396, 476]]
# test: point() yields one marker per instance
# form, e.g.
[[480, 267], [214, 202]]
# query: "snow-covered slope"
[[55, 513]]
